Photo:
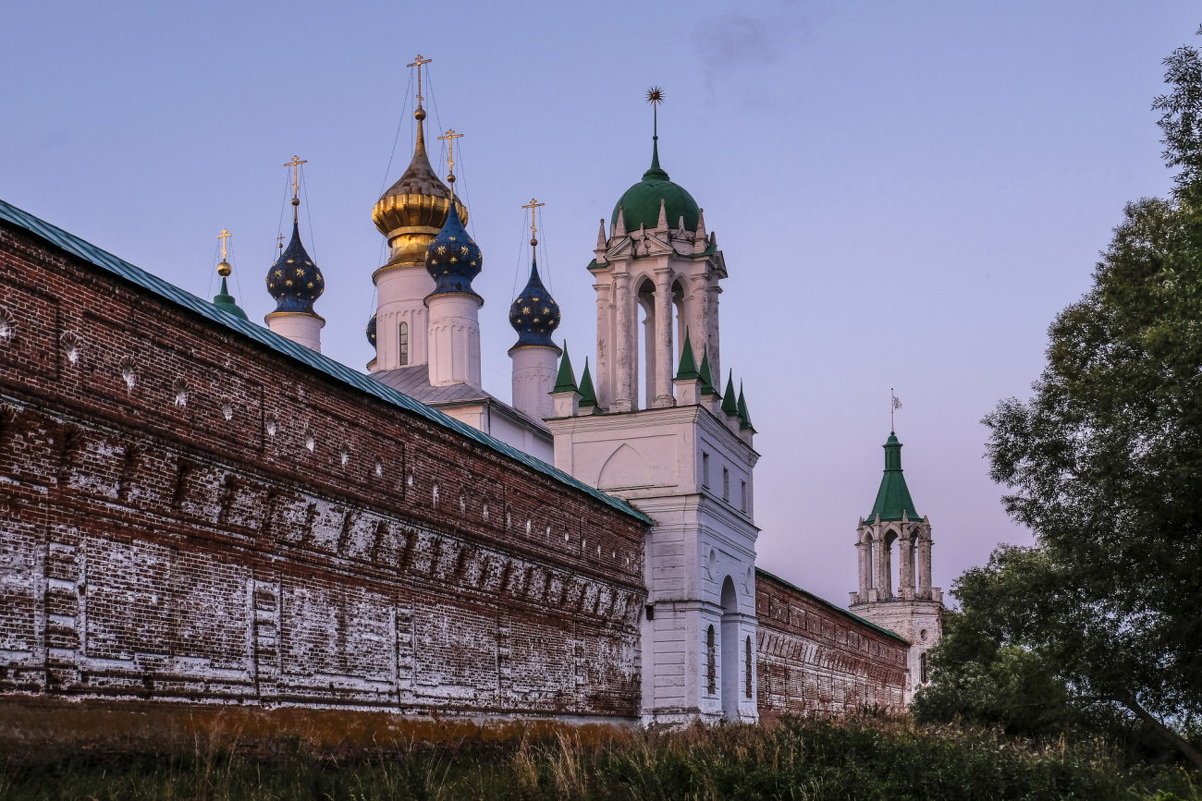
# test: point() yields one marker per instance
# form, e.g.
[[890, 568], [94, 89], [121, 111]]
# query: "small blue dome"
[[535, 314], [453, 259], [294, 280], [371, 331]]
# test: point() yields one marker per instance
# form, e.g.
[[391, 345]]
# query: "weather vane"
[[533, 206], [655, 96], [419, 62], [449, 137], [894, 404]]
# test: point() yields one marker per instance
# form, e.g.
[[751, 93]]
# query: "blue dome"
[[535, 314], [371, 331], [453, 259], [294, 280]]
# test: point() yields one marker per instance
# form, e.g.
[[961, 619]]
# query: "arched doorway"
[[730, 650]]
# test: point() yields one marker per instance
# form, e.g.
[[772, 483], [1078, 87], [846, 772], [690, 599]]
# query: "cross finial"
[[449, 137], [295, 163], [279, 240], [533, 205], [224, 237], [419, 62]]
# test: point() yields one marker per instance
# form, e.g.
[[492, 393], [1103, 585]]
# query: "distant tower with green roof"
[[894, 546]]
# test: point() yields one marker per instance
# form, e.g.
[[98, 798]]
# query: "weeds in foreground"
[[865, 760]]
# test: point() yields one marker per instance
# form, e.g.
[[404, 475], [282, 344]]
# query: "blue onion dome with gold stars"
[[640, 203], [453, 259], [294, 280], [371, 330], [535, 314]]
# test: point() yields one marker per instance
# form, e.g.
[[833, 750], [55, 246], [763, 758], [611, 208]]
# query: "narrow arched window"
[[747, 667], [923, 672], [403, 345], [711, 662]]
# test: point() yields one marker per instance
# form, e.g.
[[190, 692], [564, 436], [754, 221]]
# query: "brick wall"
[[815, 659], [185, 514]]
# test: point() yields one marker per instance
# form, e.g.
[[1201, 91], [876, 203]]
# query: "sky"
[[906, 194]]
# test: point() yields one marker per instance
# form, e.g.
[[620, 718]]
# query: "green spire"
[[588, 396], [893, 498], [744, 417], [688, 365], [226, 302], [566, 380], [707, 378], [730, 403]]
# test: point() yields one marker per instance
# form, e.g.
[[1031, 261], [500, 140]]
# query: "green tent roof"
[[893, 498]]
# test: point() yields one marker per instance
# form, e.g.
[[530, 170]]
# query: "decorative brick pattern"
[[813, 659], [185, 516]]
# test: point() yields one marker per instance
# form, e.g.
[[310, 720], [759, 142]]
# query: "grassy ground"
[[864, 759]]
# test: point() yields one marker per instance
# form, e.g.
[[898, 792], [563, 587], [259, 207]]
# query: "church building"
[[207, 510]]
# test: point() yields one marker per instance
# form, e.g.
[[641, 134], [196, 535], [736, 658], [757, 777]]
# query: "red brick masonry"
[[186, 514], [815, 659]]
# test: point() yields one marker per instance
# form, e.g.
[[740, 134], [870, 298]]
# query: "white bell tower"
[[676, 450], [894, 547]]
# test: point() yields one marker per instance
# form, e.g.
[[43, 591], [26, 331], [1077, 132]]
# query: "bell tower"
[[676, 450], [894, 547]]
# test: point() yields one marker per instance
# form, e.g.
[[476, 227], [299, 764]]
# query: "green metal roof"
[[88, 252], [688, 365], [640, 203], [838, 609], [893, 498]]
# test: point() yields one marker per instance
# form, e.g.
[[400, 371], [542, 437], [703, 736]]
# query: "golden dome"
[[414, 209]]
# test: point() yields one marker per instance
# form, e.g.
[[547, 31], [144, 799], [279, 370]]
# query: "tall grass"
[[863, 759]]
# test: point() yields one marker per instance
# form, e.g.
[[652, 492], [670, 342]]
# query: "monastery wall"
[[815, 659], [186, 514]]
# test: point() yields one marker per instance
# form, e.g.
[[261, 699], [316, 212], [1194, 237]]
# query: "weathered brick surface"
[[186, 515], [813, 659]]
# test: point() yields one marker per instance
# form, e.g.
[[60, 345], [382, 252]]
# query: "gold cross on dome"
[[419, 62], [449, 137], [295, 163], [533, 205], [224, 236]]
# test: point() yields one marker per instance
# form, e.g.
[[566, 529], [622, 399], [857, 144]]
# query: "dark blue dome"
[[535, 314], [453, 259], [294, 280], [371, 331]]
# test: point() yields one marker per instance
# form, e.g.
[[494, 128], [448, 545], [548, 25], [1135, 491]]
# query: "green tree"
[[1104, 462]]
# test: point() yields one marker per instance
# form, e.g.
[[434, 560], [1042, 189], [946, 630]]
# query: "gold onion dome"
[[414, 209]]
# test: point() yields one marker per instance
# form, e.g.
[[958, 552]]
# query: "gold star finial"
[[655, 96], [449, 137], [419, 62], [533, 205]]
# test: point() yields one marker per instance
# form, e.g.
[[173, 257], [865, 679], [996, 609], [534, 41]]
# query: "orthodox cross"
[[279, 240], [295, 163], [533, 206], [224, 236], [450, 138], [418, 62]]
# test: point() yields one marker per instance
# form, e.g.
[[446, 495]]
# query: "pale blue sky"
[[906, 193]]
